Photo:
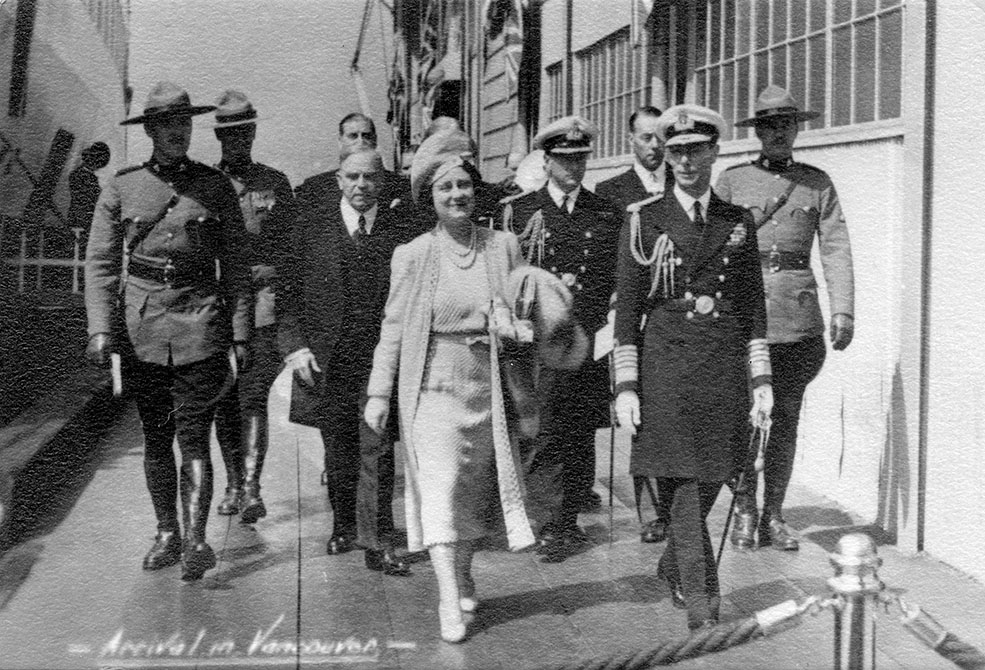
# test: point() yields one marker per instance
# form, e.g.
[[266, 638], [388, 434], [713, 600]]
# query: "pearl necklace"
[[462, 260]]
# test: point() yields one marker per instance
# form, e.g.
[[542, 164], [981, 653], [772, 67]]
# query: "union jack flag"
[[506, 17]]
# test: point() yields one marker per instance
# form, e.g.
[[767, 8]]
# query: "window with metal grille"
[[613, 83], [842, 58], [555, 91]]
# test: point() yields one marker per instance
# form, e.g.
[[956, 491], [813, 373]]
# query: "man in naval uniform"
[[337, 279], [570, 231], [793, 203], [648, 176], [184, 300], [689, 273], [266, 200]]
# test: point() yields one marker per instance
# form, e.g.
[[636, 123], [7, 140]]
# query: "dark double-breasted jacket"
[[267, 203], [186, 290], [688, 319], [808, 209], [580, 249], [315, 309]]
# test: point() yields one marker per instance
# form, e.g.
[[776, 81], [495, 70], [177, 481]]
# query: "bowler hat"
[[567, 135], [773, 102], [688, 124], [167, 100], [234, 109], [438, 153]]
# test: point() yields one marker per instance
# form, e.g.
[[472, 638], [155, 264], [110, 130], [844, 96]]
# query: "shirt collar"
[[687, 201], [653, 181], [774, 165], [351, 217], [557, 195], [234, 168]]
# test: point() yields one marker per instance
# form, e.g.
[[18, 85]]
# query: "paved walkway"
[[75, 596]]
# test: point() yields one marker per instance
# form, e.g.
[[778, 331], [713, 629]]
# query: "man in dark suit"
[[357, 132], [647, 177], [329, 315], [84, 189], [573, 233], [266, 200], [174, 220]]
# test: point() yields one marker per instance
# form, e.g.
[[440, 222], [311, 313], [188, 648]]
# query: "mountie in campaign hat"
[[688, 124], [436, 155], [567, 135], [773, 102], [167, 100], [234, 109]]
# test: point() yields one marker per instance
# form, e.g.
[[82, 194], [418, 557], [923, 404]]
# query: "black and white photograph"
[[491, 334]]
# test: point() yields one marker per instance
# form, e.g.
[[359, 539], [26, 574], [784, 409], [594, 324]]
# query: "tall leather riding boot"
[[255, 440], [196, 498], [162, 483], [228, 423]]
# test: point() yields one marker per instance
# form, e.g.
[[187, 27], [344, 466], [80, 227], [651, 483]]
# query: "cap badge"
[[684, 122], [575, 134]]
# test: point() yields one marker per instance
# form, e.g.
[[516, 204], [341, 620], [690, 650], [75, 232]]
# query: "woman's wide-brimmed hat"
[[561, 341], [165, 101], [773, 102], [436, 155]]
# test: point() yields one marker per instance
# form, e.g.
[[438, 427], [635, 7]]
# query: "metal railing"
[[34, 256]]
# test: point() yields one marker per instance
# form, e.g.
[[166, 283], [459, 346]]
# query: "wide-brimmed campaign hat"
[[567, 135], [773, 102], [436, 155], [233, 108], [167, 100], [688, 124]]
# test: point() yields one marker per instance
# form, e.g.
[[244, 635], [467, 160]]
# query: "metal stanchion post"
[[857, 585]]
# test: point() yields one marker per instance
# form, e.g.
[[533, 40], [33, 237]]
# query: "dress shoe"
[[165, 552], [590, 502], [340, 544], [777, 533], [565, 545], [252, 505], [743, 536], [229, 505], [452, 623], [653, 531], [466, 592], [195, 560], [385, 561], [676, 593], [702, 626]]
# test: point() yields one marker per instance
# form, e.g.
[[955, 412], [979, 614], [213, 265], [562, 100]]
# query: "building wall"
[[955, 509]]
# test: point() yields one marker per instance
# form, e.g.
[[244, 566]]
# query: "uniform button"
[[170, 235], [586, 251], [687, 280], [581, 269], [678, 260], [690, 315], [578, 286], [550, 251], [724, 260], [588, 234], [715, 314], [721, 278], [201, 219], [688, 295], [718, 295], [547, 235], [553, 268]]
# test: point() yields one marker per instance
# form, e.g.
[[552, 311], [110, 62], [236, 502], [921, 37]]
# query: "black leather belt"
[[169, 275], [775, 261]]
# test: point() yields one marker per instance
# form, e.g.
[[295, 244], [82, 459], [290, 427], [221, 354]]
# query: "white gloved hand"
[[628, 410], [762, 406], [376, 413], [302, 363]]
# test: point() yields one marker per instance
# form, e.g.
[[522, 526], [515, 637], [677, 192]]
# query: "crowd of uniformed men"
[[206, 281]]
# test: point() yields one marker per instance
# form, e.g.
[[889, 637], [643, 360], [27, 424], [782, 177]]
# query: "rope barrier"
[[926, 629], [710, 640]]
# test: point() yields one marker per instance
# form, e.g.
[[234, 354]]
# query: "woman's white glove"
[[376, 413], [628, 410], [506, 326], [762, 406]]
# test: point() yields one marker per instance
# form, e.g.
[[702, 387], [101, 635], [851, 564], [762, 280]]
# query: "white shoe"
[[452, 623]]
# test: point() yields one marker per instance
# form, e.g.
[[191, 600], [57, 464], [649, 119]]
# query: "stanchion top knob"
[[856, 563]]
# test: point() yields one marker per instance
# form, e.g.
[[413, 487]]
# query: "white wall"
[[956, 424]]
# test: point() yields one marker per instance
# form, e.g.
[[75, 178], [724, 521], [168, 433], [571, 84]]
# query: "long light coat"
[[403, 346]]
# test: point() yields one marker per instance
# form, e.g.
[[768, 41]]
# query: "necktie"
[[699, 220], [360, 233], [564, 203], [655, 184]]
